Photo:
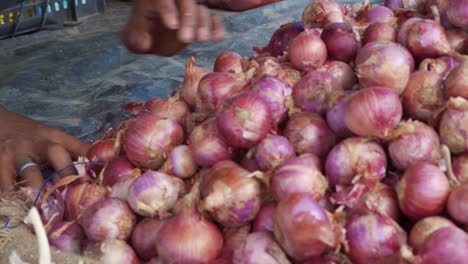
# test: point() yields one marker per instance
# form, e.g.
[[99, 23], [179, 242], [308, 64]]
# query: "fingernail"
[[173, 23], [186, 34]]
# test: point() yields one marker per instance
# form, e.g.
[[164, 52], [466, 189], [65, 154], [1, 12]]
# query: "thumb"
[[136, 35]]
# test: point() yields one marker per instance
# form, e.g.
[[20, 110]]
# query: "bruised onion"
[[259, 247], [148, 140], [384, 63], [180, 162], [373, 111], [460, 168], [453, 129], [309, 133], [107, 219], [231, 194], [66, 236], [315, 234], [427, 39], [373, 238], [422, 191], [335, 115], [264, 221], [418, 143], [82, 196], [442, 65], [317, 11], [171, 108], [154, 193], [245, 121], [299, 175], [423, 95], [341, 43], [456, 84], [342, 72], [281, 38], [272, 151], [424, 228], [379, 32], [193, 75], [355, 157], [119, 169], [457, 204], [144, 238], [314, 90], [307, 51], [228, 61]]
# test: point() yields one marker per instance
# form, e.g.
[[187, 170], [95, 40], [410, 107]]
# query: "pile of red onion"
[[343, 140]]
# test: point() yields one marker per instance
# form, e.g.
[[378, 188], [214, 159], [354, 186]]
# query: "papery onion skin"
[[343, 73], [423, 95], [272, 151], [373, 111], [120, 188], [245, 121], [457, 39], [402, 35], [442, 65], [82, 196], [193, 75], [456, 84], [171, 108], [231, 194], [180, 163], [373, 238], [315, 234], [379, 32], [119, 169], [380, 13], [453, 130], [66, 236], [384, 63], [281, 38], [460, 168], [299, 175], [148, 140], [422, 191], [333, 17], [154, 193], [117, 252], [313, 91], [259, 247], [457, 13], [446, 245], [335, 115], [107, 219], [317, 11], [424, 228], [309, 133], [307, 51], [228, 61], [341, 43], [410, 148], [457, 204], [427, 39], [355, 157], [187, 237], [144, 238], [264, 221]]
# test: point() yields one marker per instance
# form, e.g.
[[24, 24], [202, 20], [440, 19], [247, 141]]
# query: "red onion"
[[315, 234], [457, 13], [335, 115], [193, 75], [313, 91], [442, 65], [341, 42], [144, 238], [317, 11], [342, 72], [80, 197], [117, 252], [119, 169], [380, 13], [457, 39], [100, 151], [422, 191], [453, 129], [309, 133], [299, 175], [457, 204], [272, 151], [307, 51], [276, 94], [245, 121], [394, 4], [154, 193], [148, 140], [207, 145], [228, 61], [373, 111], [330, 257], [426, 227], [231, 194], [133, 108], [427, 39], [374, 238], [456, 84], [259, 247], [355, 157], [248, 162], [107, 219], [403, 32], [423, 95], [419, 143], [168, 108], [180, 163], [446, 245], [379, 32], [215, 88], [460, 168], [120, 188], [333, 17], [385, 64], [264, 221], [67, 236], [232, 238], [281, 39]]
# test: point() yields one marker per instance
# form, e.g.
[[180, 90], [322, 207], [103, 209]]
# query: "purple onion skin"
[[343, 73], [355, 156], [117, 252], [282, 37], [144, 238], [264, 221], [70, 240], [340, 40], [427, 39], [379, 32], [460, 168], [272, 151], [380, 14], [373, 238], [259, 247], [457, 204], [453, 130], [335, 117], [446, 245], [394, 4], [457, 13]]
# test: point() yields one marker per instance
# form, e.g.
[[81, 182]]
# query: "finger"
[[59, 158], [217, 28], [7, 172], [73, 145], [169, 13], [204, 24], [135, 35], [32, 176], [188, 9]]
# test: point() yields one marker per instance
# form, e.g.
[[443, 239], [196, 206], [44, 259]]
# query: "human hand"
[[164, 27], [23, 139]]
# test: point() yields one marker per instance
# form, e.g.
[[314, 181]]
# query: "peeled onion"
[[307, 51]]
